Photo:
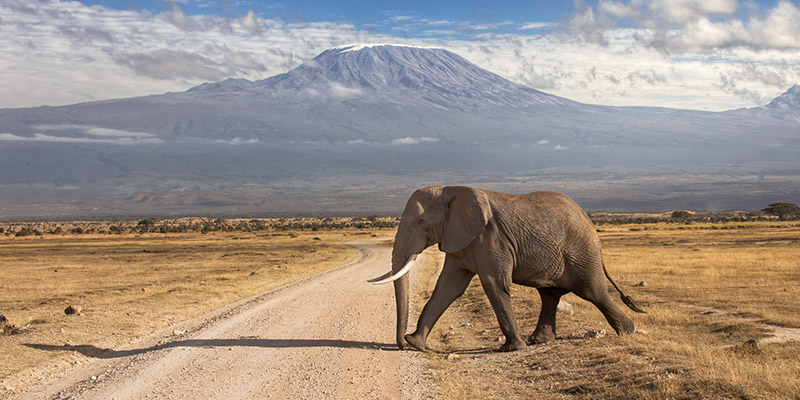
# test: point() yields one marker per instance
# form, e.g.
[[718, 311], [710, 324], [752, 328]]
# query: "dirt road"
[[327, 336]]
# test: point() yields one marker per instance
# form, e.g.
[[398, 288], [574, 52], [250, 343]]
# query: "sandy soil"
[[326, 336]]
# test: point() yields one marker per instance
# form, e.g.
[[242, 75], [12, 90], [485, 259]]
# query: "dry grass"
[[130, 285], [750, 271]]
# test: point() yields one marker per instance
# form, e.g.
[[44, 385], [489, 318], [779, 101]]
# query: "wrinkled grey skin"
[[541, 239]]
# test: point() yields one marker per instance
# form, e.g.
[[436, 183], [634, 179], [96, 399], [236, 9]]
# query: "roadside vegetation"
[[714, 293], [134, 280]]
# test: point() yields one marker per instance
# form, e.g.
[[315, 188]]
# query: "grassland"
[[131, 280], [708, 289], [131, 284]]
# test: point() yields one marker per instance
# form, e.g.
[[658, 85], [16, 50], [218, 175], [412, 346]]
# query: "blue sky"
[[367, 13], [696, 54], [386, 16]]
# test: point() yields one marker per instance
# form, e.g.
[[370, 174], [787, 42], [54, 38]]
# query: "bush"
[[24, 232]]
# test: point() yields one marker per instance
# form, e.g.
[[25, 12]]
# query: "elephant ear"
[[467, 216]]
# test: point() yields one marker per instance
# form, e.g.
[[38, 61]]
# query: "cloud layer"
[[700, 26], [711, 55], [83, 134]]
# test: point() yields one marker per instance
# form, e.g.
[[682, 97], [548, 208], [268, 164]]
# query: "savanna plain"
[[722, 302]]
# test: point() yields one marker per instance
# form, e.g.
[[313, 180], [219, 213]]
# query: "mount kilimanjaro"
[[359, 127]]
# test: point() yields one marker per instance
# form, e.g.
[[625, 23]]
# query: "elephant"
[[541, 239]]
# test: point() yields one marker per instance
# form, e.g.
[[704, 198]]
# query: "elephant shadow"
[[106, 353]]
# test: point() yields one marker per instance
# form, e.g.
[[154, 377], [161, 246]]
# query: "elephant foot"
[[415, 342], [626, 327], [541, 336], [513, 345]]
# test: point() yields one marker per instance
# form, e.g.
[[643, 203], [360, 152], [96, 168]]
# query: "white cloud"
[[405, 141], [250, 22], [697, 26], [94, 131], [408, 140], [179, 19], [59, 52], [400, 18], [42, 138], [237, 141], [535, 25], [77, 134], [172, 64], [618, 9], [780, 29], [681, 54], [587, 26], [686, 11], [702, 34], [625, 72], [343, 92]]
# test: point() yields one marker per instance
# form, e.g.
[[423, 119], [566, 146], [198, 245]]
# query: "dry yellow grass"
[[133, 284], [130, 285], [749, 271]]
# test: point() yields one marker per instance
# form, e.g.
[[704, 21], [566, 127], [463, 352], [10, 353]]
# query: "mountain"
[[358, 127], [373, 94], [788, 102]]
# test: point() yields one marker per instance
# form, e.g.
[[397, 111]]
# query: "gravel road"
[[327, 336]]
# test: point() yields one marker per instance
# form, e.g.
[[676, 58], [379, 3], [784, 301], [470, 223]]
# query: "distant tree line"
[[154, 225], [784, 212]]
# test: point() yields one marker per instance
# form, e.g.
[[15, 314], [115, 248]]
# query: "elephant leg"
[[598, 295], [546, 327], [452, 283], [618, 320], [499, 294]]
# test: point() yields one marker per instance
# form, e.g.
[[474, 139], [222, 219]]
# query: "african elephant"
[[541, 239]]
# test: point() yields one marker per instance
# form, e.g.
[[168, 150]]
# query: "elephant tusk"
[[398, 274], [384, 276]]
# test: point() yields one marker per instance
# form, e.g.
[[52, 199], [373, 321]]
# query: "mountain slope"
[[788, 102], [378, 121], [374, 94], [430, 71]]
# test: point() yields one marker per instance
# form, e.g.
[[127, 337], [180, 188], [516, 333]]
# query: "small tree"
[[784, 211], [680, 216]]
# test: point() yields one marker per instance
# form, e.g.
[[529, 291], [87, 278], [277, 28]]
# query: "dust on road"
[[327, 336]]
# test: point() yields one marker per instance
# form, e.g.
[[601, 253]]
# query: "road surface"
[[327, 336]]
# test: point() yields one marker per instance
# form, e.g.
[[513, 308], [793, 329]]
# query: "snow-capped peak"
[[356, 47], [388, 68]]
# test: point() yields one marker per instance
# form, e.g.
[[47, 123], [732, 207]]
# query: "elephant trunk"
[[408, 244], [399, 276], [401, 261], [401, 298]]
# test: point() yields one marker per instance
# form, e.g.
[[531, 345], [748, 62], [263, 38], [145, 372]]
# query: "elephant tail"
[[625, 299]]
